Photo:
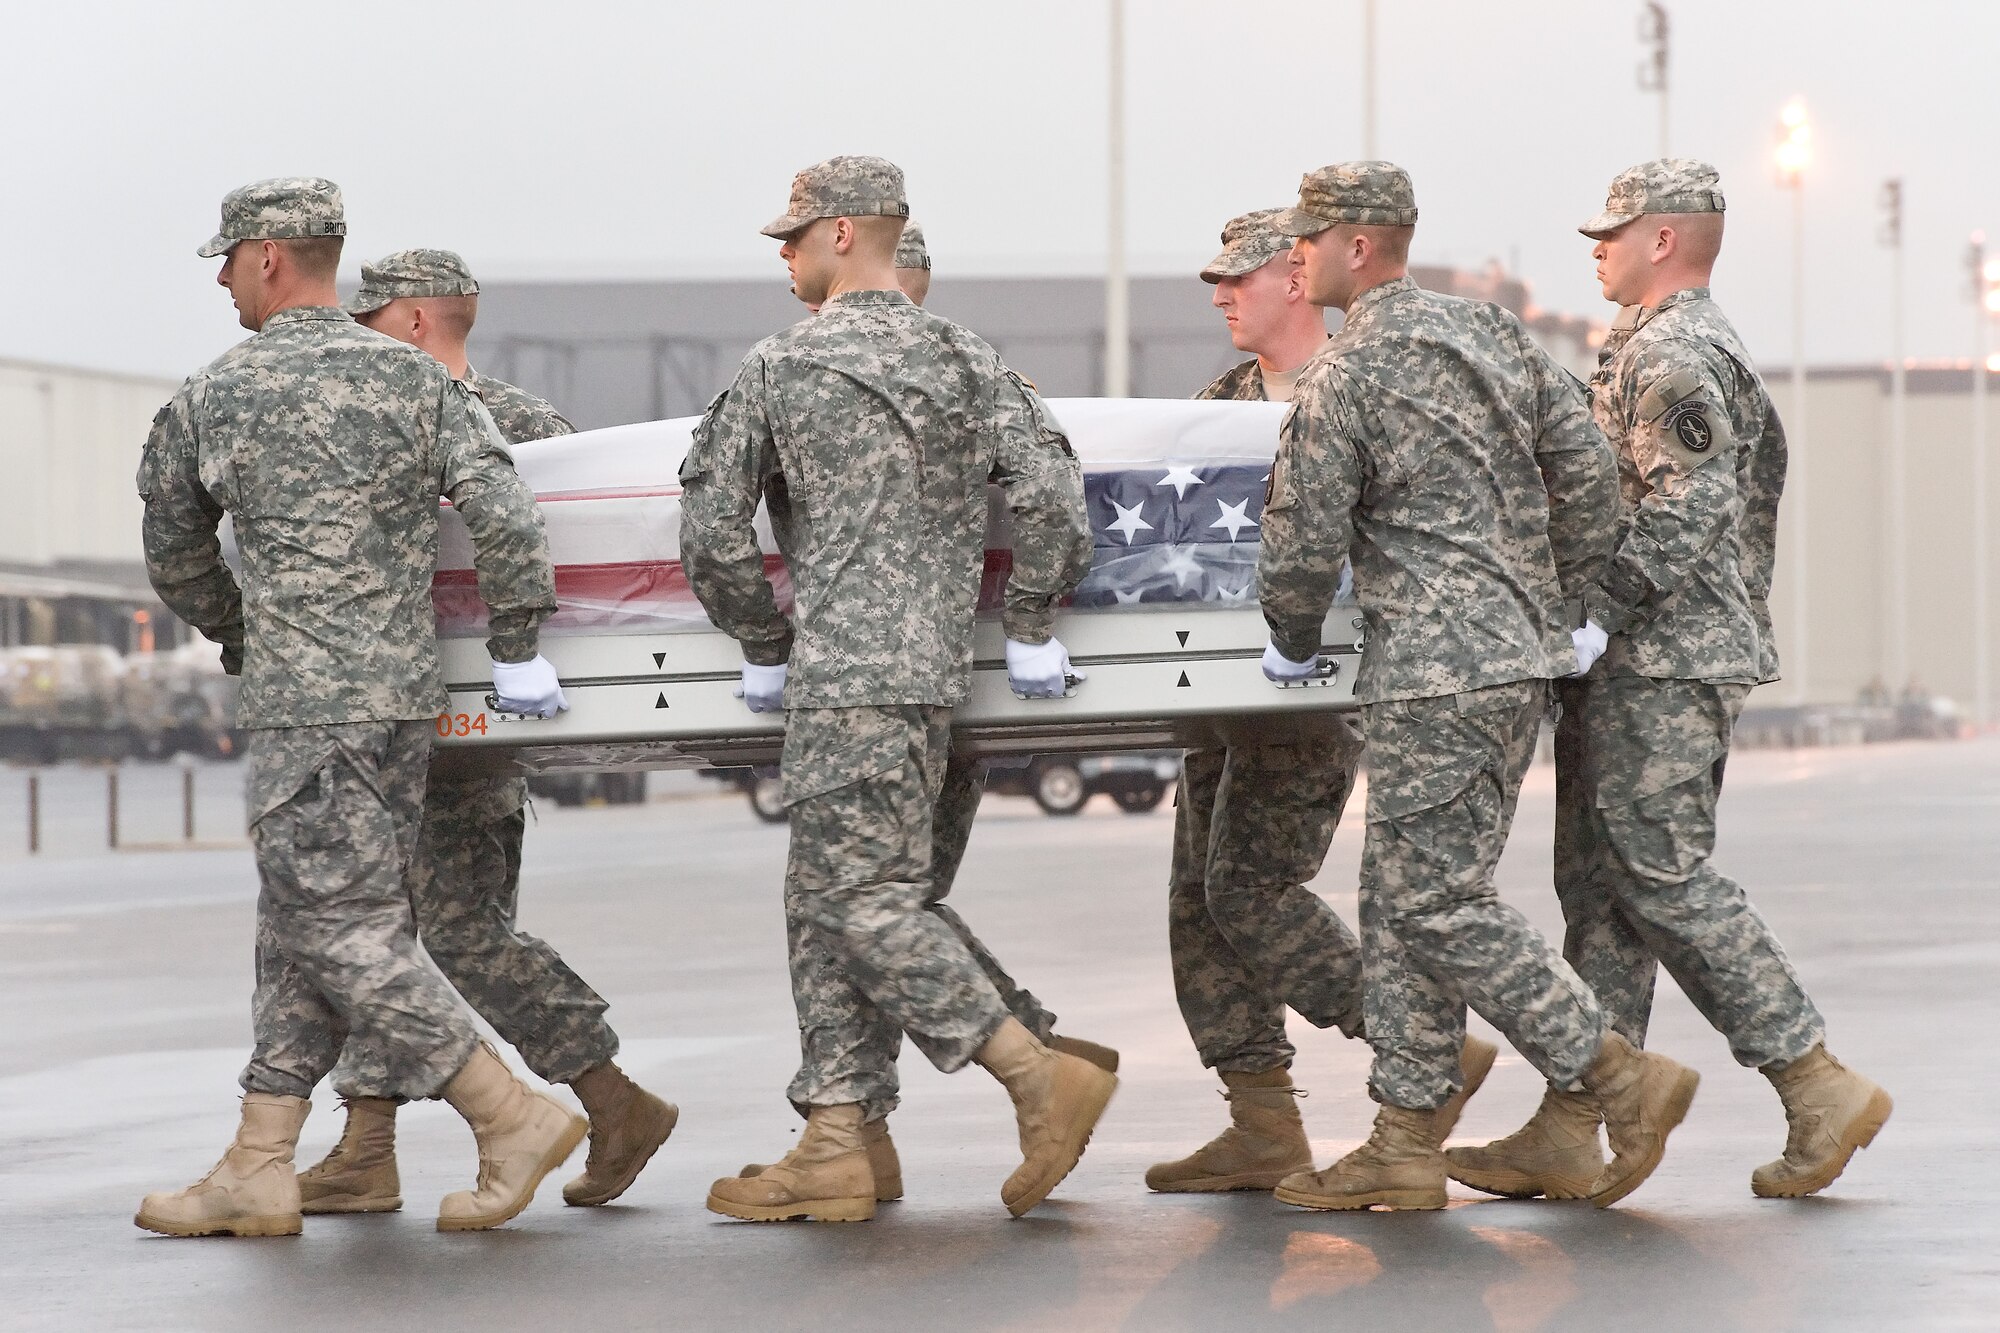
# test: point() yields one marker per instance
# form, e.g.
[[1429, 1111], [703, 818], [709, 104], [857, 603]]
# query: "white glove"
[[1590, 642], [1282, 670], [1039, 670], [529, 687], [763, 688]]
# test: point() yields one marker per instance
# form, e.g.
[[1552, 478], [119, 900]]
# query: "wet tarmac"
[[125, 980]]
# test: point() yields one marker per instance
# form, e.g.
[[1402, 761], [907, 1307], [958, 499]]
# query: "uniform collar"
[[1681, 297], [1379, 293], [301, 313], [873, 297]]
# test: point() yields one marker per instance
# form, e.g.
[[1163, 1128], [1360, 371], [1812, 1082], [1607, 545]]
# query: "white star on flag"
[[1233, 518], [1127, 598], [1129, 520], [1180, 478], [1241, 594], [1182, 565]]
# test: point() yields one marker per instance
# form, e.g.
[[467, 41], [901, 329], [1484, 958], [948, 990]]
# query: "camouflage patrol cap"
[[411, 273], [1249, 242], [842, 187], [910, 251], [1664, 185], [281, 209], [1368, 194]]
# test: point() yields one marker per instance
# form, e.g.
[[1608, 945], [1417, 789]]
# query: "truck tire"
[[1057, 787], [1137, 801]]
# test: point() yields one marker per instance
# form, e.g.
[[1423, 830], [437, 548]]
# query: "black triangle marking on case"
[[662, 703], [659, 660], [1181, 634], [1183, 682]]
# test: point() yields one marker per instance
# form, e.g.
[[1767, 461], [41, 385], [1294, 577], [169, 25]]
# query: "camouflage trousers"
[[333, 814], [465, 890], [1638, 770], [870, 958], [1443, 778], [1252, 824]]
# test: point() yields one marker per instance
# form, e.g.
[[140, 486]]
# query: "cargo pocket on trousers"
[[293, 795], [828, 749]]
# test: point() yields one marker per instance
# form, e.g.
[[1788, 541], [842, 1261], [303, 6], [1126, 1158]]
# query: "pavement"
[[125, 978]]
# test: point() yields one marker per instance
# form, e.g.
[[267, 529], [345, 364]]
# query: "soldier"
[[1459, 462], [959, 793], [873, 429], [329, 446], [465, 878], [1253, 820], [1641, 743]]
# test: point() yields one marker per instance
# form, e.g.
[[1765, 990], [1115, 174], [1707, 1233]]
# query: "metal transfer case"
[[1166, 628]]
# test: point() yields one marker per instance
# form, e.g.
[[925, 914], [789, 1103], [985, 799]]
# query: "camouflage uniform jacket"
[[874, 428], [328, 446], [1701, 463], [1461, 464], [520, 415], [1243, 384]]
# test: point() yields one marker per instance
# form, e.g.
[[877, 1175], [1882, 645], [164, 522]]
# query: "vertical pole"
[[34, 813], [1982, 630], [1798, 453], [1117, 288], [1898, 673], [111, 807], [187, 803], [1368, 136]]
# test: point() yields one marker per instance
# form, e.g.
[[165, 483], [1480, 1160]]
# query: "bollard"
[[34, 813], [111, 808], [187, 803]]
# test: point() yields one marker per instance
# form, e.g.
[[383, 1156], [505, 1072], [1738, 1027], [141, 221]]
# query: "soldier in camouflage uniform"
[[465, 878], [959, 794], [1253, 821], [329, 446], [1461, 466], [1642, 739], [872, 431]]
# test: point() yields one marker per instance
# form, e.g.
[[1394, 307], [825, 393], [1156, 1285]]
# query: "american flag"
[[1174, 532]]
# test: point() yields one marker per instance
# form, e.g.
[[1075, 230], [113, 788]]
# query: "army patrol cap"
[[910, 251], [1249, 242], [1664, 185], [1367, 194], [286, 208], [842, 187], [411, 273]]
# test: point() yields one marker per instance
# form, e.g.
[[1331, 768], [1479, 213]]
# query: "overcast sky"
[[644, 140]]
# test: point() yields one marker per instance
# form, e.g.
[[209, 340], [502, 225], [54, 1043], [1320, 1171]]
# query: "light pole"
[[1655, 32], [1117, 288], [1368, 79], [1985, 301], [1896, 671], [1794, 153]]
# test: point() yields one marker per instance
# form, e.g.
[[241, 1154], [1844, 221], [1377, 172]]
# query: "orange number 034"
[[461, 724]]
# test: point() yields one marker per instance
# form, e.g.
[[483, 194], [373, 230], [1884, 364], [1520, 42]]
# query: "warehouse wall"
[[69, 445]]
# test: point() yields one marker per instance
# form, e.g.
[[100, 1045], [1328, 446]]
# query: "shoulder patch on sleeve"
[[1667, 391]]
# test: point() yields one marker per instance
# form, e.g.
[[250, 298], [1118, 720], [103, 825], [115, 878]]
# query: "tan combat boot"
[[1102, 1056], [627, 1126], [1832, 1111], [1057, 1101], [359, 1174], [1642, 1097], [1399, 1167], [252, 1190], [883, 1164], [522, 1134], [1555, 1155], [1475, 1062], [824, 1178], [1265, 1141]]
